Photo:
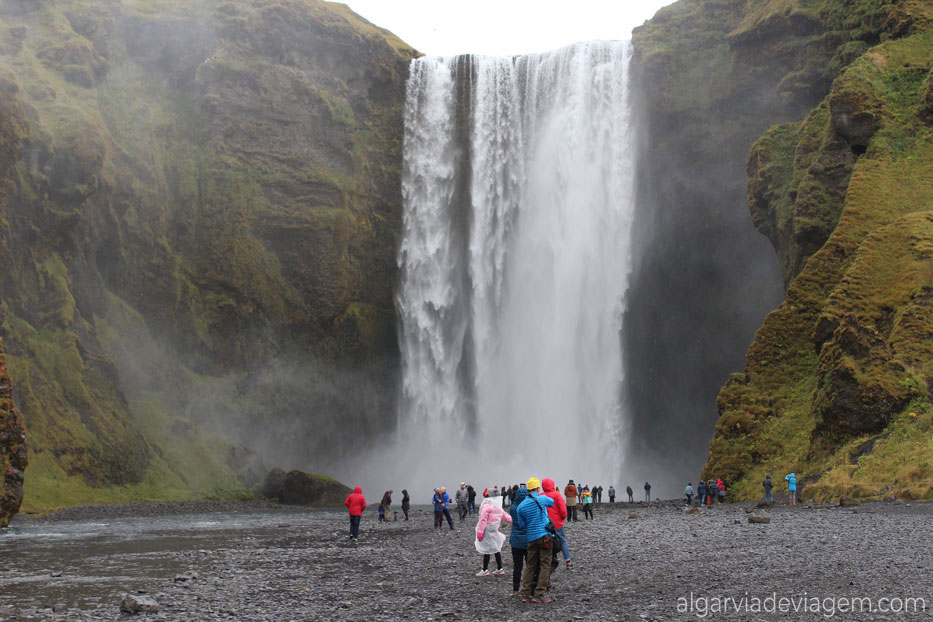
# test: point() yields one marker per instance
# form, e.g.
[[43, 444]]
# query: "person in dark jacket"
[[471, 500], [533, 518], [612, 495], [355, 503], [406, 503], [701, 491], [628, 489], [767, 484], [518, 540], [647, 492]]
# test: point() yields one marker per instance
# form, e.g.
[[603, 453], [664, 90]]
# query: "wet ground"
[[277, 564]]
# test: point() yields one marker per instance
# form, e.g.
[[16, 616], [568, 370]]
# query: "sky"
[[504, 27]]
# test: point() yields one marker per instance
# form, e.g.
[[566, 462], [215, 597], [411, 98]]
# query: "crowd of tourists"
[[537, 512]]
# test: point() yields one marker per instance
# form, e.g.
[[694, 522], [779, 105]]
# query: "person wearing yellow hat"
[[532, 517]]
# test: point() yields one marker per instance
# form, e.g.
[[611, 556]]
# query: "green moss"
[[870, 269]]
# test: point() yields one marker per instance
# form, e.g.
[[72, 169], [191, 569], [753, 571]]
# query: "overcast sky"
[[504, 27]]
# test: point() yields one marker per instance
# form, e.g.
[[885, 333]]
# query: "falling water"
[[515, 254]]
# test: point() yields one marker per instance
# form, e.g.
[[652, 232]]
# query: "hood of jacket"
[[547, 484], [520, 495], [358, 490]]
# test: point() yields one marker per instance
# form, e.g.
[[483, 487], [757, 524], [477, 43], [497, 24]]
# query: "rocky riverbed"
[[267, 563]]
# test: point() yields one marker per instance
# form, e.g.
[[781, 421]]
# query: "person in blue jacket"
[[701, 491], [791, 487], [518, 540], [532, 517]]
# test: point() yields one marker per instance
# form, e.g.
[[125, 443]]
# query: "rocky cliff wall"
[[199, 239], [716, 75], [13, 458]]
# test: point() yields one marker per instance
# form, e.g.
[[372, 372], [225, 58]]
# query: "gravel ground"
[[662, 565]]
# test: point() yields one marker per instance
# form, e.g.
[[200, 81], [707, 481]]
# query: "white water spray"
[[515, 255]]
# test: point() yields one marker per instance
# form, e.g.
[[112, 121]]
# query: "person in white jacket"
[[489, 539]]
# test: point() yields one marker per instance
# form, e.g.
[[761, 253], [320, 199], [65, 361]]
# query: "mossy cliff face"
[[838, 381], [13, 457], [714, 76], [198, 223]]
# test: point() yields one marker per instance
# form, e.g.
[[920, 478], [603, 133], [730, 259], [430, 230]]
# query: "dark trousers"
[[355, 526], [689, 499], [518, 562], [540, 553], [462, 511], [450, 521], [612, 499], [438, 518], [498, 561], [588, 510], [572, 513]]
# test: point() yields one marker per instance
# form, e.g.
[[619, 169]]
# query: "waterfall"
[[515, 255]]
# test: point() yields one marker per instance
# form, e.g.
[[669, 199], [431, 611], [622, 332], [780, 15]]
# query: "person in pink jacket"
[[489, 539], [355, 503]]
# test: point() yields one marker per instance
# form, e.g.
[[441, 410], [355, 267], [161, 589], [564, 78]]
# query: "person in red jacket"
[[557, 514], [355, 503]]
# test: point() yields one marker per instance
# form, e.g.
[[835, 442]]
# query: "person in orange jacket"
[[570, 491], [355, 503]]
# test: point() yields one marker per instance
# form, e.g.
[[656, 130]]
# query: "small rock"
[[55, 573], [736, 522], [284, 525], [634, 515], [59, 607], [693, 511], [762, 520], [848, 502], [187, 576], [138, 604]]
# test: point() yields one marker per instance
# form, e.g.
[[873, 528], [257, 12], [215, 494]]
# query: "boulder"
[[137, 603], [761, 520], [300, 488], [849, 502], [634, 515]]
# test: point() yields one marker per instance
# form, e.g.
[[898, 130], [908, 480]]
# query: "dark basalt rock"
[[299, 488]]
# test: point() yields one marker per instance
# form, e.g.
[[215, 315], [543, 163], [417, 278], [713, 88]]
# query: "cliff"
[[13, 457], [198, 225], [837, 381]]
